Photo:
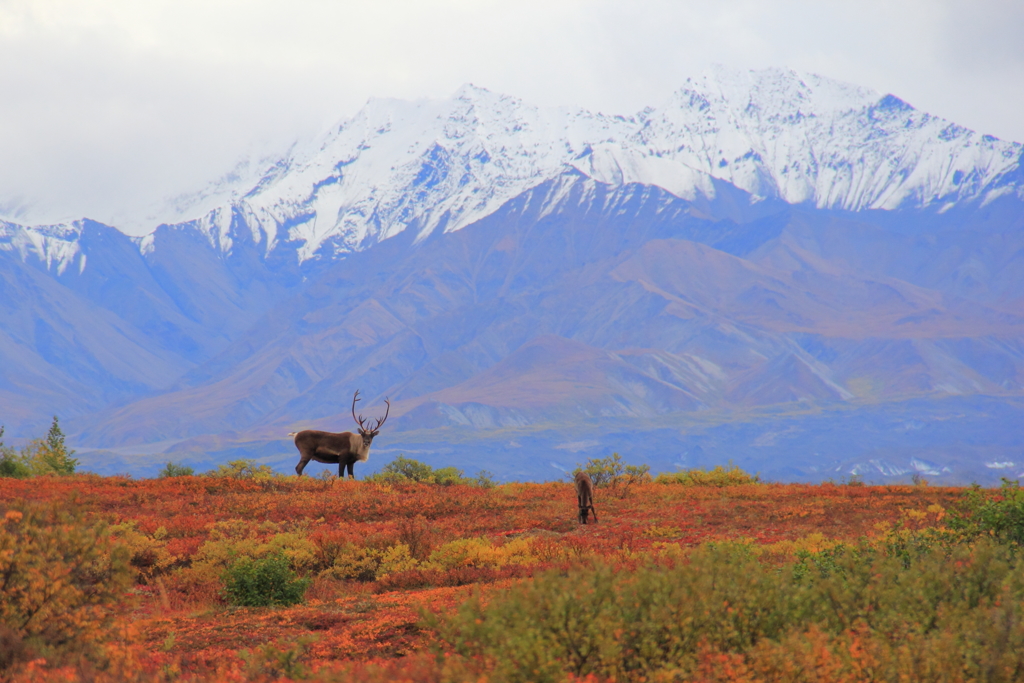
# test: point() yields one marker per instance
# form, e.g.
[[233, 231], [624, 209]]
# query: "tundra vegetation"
[[423, 574], [47, 456]]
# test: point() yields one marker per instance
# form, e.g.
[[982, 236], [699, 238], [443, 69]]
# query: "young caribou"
[[585, 496], [345, 448]]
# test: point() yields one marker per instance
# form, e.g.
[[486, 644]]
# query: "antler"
[[380, 421], [360, 418]]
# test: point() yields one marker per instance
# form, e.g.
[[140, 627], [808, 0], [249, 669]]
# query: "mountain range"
[[805, 277]]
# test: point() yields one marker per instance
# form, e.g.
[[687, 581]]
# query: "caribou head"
[[364, 431]]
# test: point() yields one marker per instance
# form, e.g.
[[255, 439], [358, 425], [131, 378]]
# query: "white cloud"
[[110, 105]]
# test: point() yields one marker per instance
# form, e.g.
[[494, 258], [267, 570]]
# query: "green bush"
[[484, 479], [1000, 514], [618, 624], [823, 562], [602, 471], [11, 464], [173, 469], [48, 456], [954, 613], [241, 469], [403, 470], [260, 583], [719, 476], [612, 471], [229, 540]]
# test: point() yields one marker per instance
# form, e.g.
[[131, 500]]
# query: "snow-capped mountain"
[[444, 164], [55, 246], [805, 138], [762, 241]]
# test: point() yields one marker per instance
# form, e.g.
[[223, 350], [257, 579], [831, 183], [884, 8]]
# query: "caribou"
[[345, 448], [585, 496]]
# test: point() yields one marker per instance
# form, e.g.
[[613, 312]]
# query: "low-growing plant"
[[63, 587], [999, 514], [418, 535], [263, 582], [447, 476], [278, 662], [719, 476], [720, 607], [404, 470], [173, 469], [483, 479], [824, 562], [232, 539], [47, 456], [602, 471], [356, 563], [242, 469], [789, 549], [11, 464], [613, 473], [481, 552], [397, 558], [148, 554]]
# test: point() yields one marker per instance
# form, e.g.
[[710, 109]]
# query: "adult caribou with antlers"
[[345, 448]]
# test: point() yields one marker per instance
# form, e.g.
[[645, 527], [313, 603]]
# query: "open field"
[[378, 557]]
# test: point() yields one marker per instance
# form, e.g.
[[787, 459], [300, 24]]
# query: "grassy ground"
[[379, 556]]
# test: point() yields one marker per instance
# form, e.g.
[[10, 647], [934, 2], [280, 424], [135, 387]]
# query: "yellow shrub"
[[811, 543], [300, 551], [720, 476], [481, 552], [355, 563], [462, 552], [662, 531], [397, 558], [669, 550], [234, 539], [148, 555]]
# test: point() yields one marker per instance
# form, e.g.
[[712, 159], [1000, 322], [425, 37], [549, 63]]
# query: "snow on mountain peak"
[[444, 164], [806, 138], [425, 164], [56, 246], [785, 91]]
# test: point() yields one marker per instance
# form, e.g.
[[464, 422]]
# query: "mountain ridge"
[[444, 164], [495, 267]]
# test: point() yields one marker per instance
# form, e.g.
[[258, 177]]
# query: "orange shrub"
[[63, 589]]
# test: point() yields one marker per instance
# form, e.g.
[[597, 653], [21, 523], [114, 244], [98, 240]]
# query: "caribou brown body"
[[343, 448], [585, 496]]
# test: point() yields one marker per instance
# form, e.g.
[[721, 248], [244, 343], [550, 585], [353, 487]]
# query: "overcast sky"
[[108, 106]]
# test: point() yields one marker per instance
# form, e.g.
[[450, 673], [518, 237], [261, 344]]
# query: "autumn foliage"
[[397, 580], [63, 583]]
